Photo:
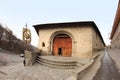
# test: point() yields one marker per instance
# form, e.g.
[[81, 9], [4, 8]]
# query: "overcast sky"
[[16, 13]]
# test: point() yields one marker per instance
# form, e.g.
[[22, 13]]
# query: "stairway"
[[57, 62]]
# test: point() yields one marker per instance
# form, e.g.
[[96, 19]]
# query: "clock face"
[[26, 35]]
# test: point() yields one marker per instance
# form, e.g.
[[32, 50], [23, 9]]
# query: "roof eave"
[[116, 21]]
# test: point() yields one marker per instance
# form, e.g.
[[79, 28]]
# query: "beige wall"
[[115, 42], [83, 40], [97, 42]]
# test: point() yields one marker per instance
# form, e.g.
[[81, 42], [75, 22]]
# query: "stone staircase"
[[57, 62]]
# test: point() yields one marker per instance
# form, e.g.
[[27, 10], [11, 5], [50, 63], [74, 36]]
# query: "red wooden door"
[[62, 45]]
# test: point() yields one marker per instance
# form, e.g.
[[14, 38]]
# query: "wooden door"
[[62, 45]]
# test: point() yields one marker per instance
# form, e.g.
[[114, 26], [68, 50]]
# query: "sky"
[[15, 14]]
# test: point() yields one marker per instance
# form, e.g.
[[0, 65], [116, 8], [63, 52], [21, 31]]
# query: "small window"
[[96, 44], [43, 44]]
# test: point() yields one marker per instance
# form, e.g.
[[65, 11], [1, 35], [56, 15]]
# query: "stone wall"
[[81, 40], [30, 57], [115, 42], [96, 41]]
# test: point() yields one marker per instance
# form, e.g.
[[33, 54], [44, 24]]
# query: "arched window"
[[43, 44]]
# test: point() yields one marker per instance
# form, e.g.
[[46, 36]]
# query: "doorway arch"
[[62, 45]]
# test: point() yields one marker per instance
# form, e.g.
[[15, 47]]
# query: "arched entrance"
[[62, 45]]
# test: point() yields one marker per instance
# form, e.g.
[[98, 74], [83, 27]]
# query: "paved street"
[[13, 68], [108, 70], [115, 55], [93, 69], [9, 58]]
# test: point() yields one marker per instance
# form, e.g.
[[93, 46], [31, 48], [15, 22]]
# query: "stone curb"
[[79, 73]]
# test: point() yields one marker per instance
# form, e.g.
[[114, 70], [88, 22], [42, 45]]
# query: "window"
[[43, 44], [96, 44]]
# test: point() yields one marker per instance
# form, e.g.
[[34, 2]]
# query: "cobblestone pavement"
[[37, 72], [9, 58], [15, 70]]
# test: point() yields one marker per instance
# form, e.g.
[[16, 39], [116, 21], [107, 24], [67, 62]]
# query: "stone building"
[[71, 39], [115, 34]]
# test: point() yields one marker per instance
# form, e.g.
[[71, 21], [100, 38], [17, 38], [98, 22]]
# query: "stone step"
[[56, 66], [57, 62]]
